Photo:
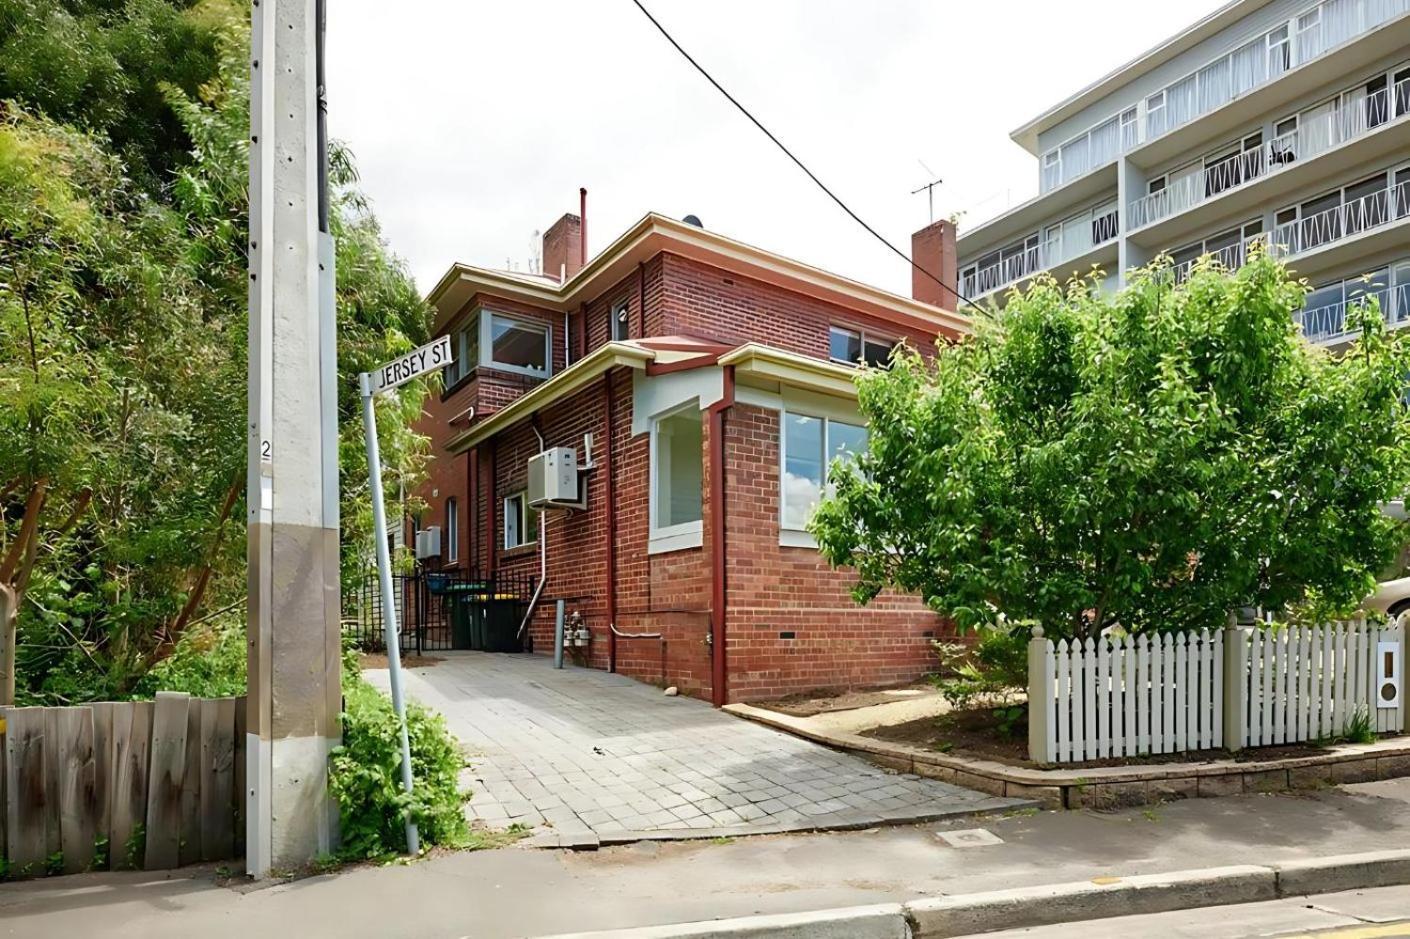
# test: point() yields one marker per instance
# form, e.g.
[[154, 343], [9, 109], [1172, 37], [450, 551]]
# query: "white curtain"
[[1214, 86], [1248, 67]]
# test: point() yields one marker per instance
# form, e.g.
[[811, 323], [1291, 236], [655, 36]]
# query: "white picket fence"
[[1121, 696]]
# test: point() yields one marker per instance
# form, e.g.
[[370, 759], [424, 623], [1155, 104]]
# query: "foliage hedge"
[[365, 775]]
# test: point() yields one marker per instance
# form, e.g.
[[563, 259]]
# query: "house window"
[[515, 345], [452, 530], [809, 446], [677, 477], [521, 523], [465, 344], [619, 322], [856, 346]]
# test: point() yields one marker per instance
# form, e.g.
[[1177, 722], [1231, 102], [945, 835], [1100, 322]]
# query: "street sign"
[[418, 362], [428, 358]]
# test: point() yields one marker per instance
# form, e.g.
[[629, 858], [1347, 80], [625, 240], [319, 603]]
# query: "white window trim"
[[523, 496], [789, 536], [664, 538], [487, 318]]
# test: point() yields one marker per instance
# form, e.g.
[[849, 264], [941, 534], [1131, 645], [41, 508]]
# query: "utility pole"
[[295, 693]]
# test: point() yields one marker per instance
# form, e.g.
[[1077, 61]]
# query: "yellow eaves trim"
[[572, 379]]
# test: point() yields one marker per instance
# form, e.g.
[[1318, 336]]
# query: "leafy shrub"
[[208, 662], [994, 668], [365, 775]]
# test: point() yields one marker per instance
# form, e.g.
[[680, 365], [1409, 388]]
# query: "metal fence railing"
[[440, 611]]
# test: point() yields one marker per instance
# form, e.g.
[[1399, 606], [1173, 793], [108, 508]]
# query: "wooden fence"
[[150, 784], [1118, 696]]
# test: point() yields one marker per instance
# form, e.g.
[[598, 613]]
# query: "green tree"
[[102, 66], [1152, 459], [122, 370]]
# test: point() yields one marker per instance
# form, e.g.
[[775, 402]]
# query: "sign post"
[[428, 358]]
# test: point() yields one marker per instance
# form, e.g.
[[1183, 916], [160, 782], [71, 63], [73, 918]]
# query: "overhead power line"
[[797, 162]]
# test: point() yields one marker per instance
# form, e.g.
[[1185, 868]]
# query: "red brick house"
[[715, 380]]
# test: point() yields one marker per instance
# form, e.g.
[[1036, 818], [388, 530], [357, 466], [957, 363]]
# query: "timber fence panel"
[[120, 784], [28, 845], [169, 726], [75, 771]]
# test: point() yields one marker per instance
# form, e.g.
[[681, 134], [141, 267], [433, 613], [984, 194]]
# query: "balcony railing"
[[1317, 30], [1341, 221], [1328, 323], [1315, 135], [1075, 237], [1230, 257]]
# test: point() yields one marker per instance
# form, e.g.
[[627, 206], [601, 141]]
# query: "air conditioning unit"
[[428, 543], [554, 480]]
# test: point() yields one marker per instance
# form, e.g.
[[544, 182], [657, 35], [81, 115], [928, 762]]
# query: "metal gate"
[[441, 610]]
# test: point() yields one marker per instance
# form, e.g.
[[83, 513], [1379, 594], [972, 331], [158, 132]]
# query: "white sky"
[[474, 123]]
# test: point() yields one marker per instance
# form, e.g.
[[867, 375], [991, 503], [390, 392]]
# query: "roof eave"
[[572, 379]]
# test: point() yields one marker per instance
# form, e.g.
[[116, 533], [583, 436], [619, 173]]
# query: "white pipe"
[[543, 568]]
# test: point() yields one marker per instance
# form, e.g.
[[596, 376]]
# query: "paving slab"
[[591, 750]]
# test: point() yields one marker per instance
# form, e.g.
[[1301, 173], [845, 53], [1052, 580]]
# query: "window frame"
[[619, 314], [486, 358], [865, 336], [683, 535], [461, 361], [452, 530], [789, 535], [522, 523]]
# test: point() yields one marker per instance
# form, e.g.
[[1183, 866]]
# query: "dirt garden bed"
[[978, 733], [828, 702]]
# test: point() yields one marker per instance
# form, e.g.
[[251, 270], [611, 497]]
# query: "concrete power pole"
[[294, 675]]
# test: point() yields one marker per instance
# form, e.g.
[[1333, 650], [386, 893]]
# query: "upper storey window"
[[619, 321], [516, 345], [856, 347], [507, 343]]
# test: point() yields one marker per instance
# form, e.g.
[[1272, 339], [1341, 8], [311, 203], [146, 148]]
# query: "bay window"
[[516, 345]]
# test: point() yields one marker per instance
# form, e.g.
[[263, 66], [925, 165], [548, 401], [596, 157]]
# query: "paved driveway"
[[587, 757]]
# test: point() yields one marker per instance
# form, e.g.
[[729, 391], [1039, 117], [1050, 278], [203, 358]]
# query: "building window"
[[855, 346], [521, 523], [452, 545], [465, 346], [677, 475], [809, 445], [516, 345], [619, 322]]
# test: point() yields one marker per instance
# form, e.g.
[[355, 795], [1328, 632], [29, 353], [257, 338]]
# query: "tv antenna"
[[928, 188]]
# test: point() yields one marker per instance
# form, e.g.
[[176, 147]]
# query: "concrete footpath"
[[524, 892]]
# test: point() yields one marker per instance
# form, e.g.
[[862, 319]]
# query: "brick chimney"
[[933, 250], [563, 247]]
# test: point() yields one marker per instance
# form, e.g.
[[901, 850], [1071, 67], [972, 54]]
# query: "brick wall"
[[700, 300], [774, 590]]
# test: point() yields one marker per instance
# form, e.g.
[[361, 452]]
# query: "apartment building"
[[694, 389], [1282, 121]]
